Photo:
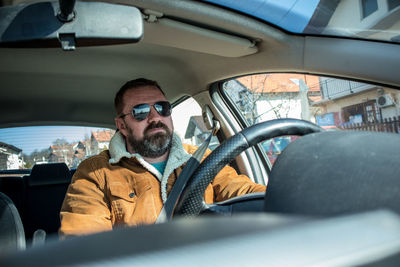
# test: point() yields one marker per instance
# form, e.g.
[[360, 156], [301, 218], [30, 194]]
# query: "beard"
[[152, 146]]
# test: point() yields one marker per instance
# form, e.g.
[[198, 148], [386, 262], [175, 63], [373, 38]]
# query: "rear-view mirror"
[[43, 24]]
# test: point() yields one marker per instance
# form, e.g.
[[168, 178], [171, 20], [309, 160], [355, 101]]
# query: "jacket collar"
[[177, 157]]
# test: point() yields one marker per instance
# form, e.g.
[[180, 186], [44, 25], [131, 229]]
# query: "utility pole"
[[305, 105]]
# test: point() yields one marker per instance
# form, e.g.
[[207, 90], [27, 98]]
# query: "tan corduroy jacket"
[[116, 188]]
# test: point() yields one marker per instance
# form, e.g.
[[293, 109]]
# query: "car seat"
[[12, 236], [335, 173], [46, 188]]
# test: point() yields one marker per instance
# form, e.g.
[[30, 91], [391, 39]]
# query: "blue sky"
[[39, 137]]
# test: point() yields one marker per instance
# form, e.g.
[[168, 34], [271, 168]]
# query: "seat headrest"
[[331, 173], [47, 174]]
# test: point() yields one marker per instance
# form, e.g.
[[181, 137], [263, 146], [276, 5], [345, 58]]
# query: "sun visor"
[[176, 34]]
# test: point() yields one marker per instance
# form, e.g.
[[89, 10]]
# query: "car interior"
[[332, 196]]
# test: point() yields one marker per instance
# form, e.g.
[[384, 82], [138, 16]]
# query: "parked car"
[[274, 147], [262, 70], [331, 128]]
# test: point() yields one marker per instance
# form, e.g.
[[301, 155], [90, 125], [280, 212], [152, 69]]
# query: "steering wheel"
[[191, 201]]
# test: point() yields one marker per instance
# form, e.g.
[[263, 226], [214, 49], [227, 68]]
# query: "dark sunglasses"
[[141, 111]]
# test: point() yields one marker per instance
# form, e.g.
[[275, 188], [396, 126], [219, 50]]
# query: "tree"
[[60, 142], [259, 101], [36, 156], [61, 150]]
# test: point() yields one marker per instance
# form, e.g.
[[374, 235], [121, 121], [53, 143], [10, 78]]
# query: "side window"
[[368, 7], [334, 104], [189, 124]]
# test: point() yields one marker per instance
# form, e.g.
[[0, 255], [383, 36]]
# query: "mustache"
[[155, 125]]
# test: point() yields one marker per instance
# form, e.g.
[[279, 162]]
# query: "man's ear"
[[120, 123]]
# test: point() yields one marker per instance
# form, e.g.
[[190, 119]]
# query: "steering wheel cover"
[[191, 201]]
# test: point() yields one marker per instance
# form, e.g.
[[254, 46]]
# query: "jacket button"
[[132, 195]]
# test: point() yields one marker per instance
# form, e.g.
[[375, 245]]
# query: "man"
[[128, 184]]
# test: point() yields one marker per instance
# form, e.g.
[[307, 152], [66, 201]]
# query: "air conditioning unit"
[[385, 101]]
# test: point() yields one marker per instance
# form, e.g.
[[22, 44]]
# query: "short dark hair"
[[118, 100]]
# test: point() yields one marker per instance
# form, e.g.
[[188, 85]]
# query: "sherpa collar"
[[177, 157]]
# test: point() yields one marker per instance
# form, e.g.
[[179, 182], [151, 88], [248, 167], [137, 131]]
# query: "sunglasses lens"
[[163, 108], [141, 111]]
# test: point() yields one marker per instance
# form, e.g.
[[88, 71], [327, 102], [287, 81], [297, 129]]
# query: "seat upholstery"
[[46, 188], [12, 236], [332, 173]]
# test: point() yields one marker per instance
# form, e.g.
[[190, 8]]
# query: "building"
[[99, 141], [79, 153], [61, 152], [10, 157], [347, 102], [364, 16], [197, 132]]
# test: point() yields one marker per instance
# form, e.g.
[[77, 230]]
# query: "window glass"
[[189, 124], [329, 17], [333, 104], [368, 7], [23, 147], [392, 4]]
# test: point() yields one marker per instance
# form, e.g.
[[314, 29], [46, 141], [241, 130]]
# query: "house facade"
[[10, 157], [99, 141], [346, 102], [366, 16], [61, 153]]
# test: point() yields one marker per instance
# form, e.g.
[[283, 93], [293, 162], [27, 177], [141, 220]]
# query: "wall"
[[350, 13], [338, 104]]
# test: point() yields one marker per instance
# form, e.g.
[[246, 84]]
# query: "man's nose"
[[153, 115]]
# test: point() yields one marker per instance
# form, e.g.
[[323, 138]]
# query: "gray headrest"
[[47, 174], [332, 173]]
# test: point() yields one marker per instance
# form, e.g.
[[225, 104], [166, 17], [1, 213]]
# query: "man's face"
[[152, 136]]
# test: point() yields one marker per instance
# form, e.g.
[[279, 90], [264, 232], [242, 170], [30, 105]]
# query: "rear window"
[[23, 147]]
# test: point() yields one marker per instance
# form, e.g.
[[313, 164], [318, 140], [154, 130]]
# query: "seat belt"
[[187, 171]]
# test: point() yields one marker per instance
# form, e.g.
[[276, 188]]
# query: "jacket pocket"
[[123, 203]]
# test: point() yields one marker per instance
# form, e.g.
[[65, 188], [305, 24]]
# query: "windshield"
[[366, 19]]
